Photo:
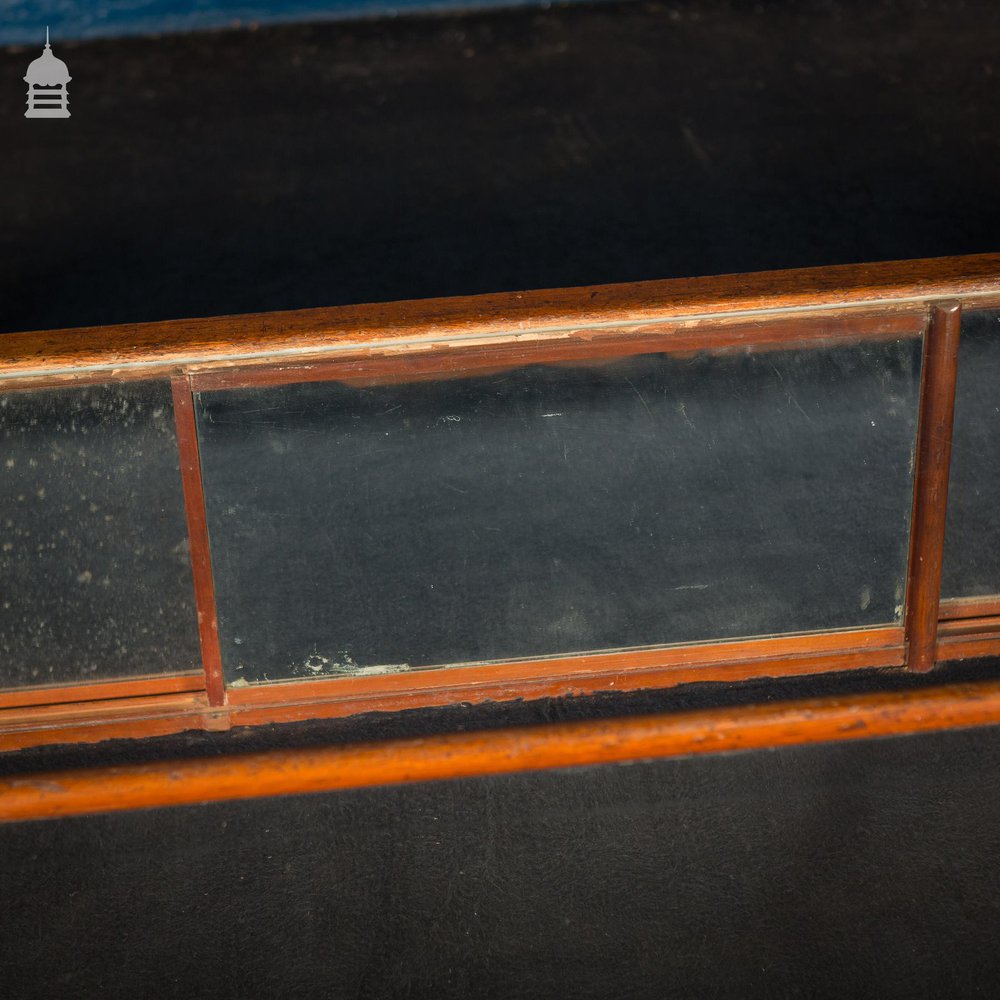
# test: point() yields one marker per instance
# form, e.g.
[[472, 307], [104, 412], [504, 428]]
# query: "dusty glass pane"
[[94, 566], [555, 509], [972, 542]]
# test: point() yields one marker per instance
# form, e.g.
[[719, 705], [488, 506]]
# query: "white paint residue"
[[382, 668], [316, 665]]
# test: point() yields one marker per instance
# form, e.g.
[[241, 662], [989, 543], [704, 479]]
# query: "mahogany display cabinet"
[[503, 505], [292, 516]]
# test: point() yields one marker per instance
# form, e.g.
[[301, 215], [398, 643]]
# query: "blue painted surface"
[[23, 21]]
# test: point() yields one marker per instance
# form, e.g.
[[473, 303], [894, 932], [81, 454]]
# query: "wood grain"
[[197, 525], [100, 690], [466, 755], [509, 316], [437, 362], [937, 412], [647, 667], [970, 607], [439, 338], [294, 701], [972, 645]]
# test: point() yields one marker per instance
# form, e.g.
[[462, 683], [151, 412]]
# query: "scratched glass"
[[972, 541], [95, 579], [554, 509]]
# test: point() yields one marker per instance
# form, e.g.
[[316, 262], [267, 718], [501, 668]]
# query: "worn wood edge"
[[691, 660], [94, 712], [330, 706], [298, 701], [508, 751], [439, 361], [985, 625], [968, 646], [101, 690], [511, 315], [99, 732], [953, 608]]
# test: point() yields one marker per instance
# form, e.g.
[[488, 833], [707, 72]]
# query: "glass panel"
[[96, 582], [558, 508], [972, 542]]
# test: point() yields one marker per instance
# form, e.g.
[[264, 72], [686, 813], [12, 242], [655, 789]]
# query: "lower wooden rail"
[[466, 755]]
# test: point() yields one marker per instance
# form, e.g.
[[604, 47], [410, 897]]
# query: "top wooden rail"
[[144, 347]]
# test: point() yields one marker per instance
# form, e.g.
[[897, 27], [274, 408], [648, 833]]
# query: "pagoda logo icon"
[[48, 85]]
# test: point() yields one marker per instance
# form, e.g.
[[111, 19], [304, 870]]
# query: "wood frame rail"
[[507, 751], [684, 304], [443, 338]]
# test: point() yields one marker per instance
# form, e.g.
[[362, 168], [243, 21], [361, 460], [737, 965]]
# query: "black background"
[[864, 869], [310, 166]]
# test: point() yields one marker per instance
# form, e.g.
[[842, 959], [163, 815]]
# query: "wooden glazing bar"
[[937, 411], [197, 524]]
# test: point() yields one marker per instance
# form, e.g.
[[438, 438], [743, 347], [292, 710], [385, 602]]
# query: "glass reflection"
[[96, 580], [559, 508]]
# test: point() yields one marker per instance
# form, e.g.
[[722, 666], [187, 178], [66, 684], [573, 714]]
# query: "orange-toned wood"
[[970, 607], [97, 731], [296, 701], [435, 337], [92, 721], [288, 709], [595, 345], [144, 706], [509, 316], [968, 645], [986, 301], [71, 379], [937, 411], [101, 690], [467, 755], [197, 525], [970, 626], [695, 661]]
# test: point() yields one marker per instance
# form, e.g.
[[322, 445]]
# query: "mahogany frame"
[[448, 337], [506, 751]]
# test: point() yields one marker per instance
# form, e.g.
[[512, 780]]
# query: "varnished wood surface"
[[462, 358], [955, 608], [198, 541], [555, 677], [933, 462], [508, 317], [301, 771], [100, 691], [691, 662]]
